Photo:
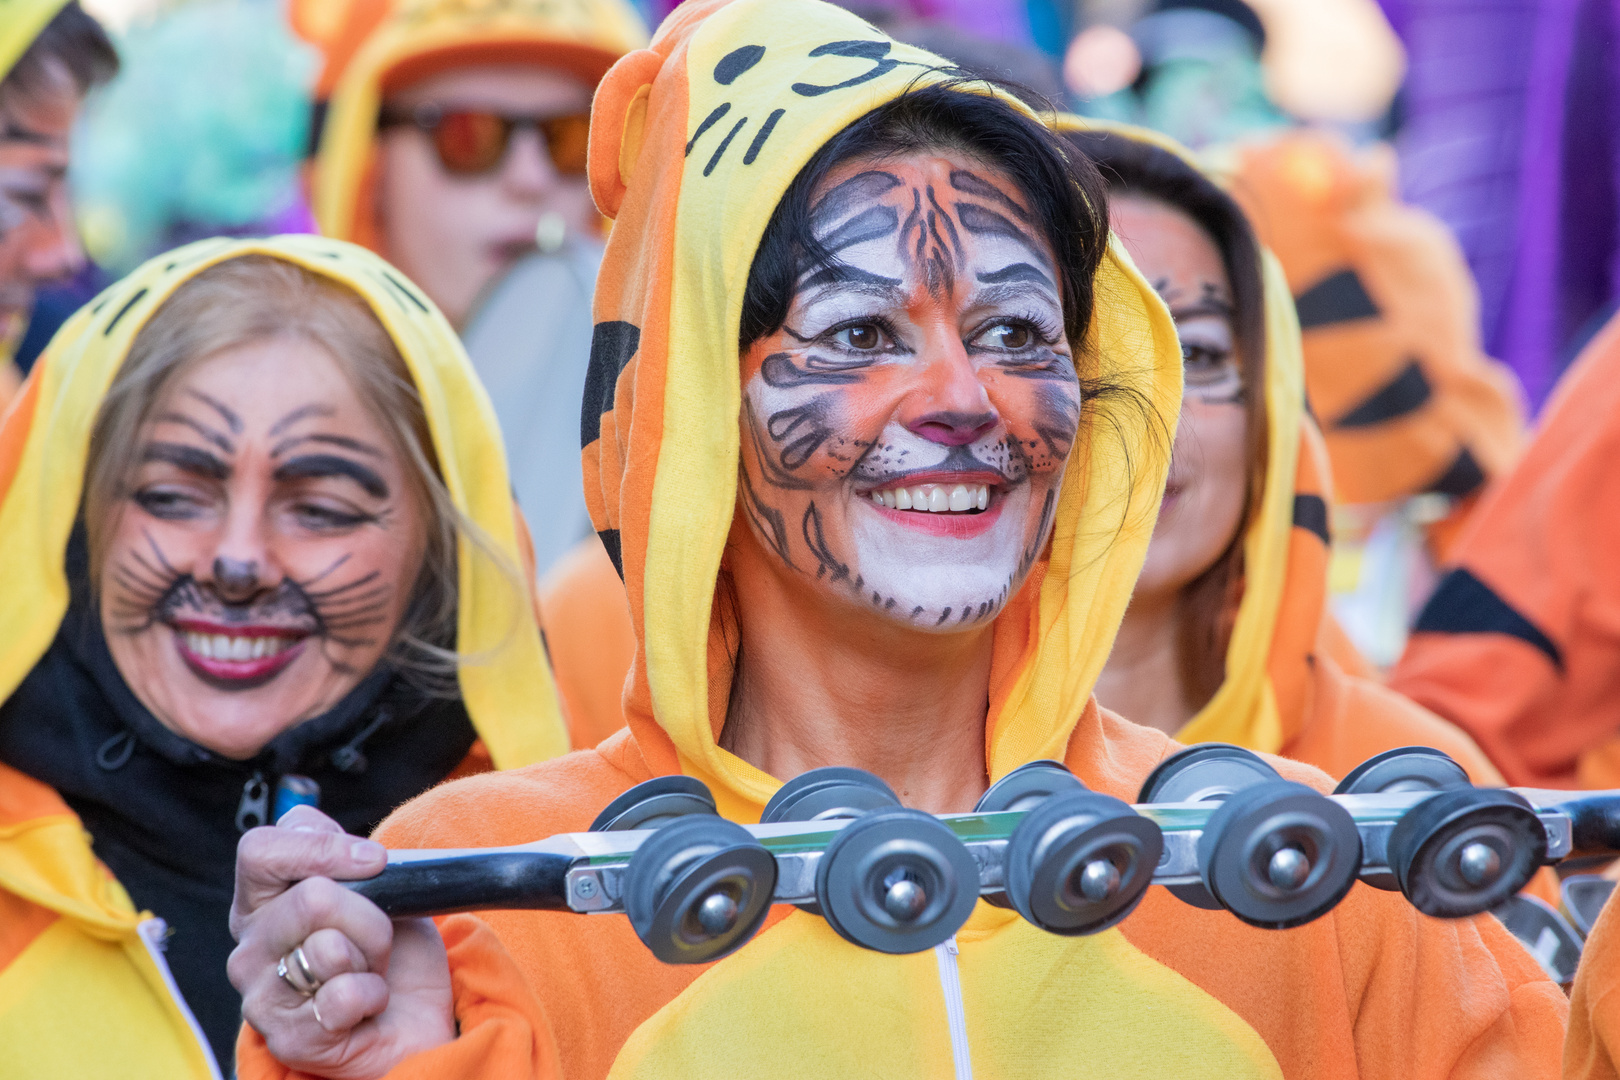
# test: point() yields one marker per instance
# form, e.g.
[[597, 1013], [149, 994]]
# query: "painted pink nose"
[[952, 428]]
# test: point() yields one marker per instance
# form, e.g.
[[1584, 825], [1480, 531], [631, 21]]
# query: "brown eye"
[[1014, 337], [863, 337], [1010, 336]]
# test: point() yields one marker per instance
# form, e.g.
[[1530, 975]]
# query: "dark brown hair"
[[1208, 604], [72, 41]]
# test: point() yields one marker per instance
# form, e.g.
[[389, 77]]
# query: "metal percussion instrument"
[[1212, 822]]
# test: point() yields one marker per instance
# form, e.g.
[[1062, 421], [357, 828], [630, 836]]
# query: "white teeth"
[[238, 649], [935, 498]]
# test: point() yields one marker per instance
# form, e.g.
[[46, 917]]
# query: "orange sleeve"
[[1520, 643], [503, 1030], [585, 616], [1594, 1005]]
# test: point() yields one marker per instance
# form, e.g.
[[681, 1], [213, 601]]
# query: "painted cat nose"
[[953, 428], [235, 579]]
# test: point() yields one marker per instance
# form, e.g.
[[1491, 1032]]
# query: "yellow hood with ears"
[[422, 37], [45, 442], [20, 23], [693, 143]]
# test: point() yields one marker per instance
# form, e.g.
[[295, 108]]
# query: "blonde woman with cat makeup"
[[258, 548]]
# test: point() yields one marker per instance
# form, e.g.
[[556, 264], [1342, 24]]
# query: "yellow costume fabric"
[[71, 943], [420, 37]]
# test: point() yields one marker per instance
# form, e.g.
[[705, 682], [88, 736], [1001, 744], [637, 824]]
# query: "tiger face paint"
[[905, 432], [265, 548]]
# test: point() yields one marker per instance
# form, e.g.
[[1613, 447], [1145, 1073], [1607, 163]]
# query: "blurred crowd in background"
[[1450, 168]]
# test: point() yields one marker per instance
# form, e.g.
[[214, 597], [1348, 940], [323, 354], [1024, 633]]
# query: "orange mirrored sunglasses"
[[471, 142]]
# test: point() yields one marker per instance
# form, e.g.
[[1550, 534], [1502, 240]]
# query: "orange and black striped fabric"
[[1520, 643], [1408, 402]]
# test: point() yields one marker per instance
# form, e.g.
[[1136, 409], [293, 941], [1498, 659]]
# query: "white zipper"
[[152, 932], [950, 981]]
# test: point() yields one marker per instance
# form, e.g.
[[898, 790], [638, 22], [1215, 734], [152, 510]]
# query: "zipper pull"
[[254, 808]]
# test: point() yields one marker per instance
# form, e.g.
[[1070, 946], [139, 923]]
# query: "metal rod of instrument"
[[585, 872]]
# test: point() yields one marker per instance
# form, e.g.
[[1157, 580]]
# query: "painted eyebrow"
[[1010, 293], [233, 423], [342, 441], [970, 184], [1208, 305], [1016, 272], [844, 196], [319, 466], [844, 274], [303, 412], [200, 428], [983, 221], [191, 459], [15, 132]]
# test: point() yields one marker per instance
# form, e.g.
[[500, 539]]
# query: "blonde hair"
[[257, 298]]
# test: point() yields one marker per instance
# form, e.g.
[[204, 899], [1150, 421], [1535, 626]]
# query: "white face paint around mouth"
[[943, 568], [928, 366]]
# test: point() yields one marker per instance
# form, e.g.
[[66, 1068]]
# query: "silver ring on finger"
[[294, 970]]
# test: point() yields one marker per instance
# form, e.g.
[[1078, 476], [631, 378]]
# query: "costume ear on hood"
[[21, 21], [45, 444], [422, 37], [1408, 400], [693, 142], [1262, 700]]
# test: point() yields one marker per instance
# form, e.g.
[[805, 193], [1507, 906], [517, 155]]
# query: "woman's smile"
[[943, 505], [238, 657]]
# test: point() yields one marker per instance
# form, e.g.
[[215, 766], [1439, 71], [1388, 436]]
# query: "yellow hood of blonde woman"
[[693, 143], [419, 38], [73, 948]]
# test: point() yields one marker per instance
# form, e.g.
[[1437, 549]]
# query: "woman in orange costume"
[[1224, 638], [1520, 643], [749, 421]]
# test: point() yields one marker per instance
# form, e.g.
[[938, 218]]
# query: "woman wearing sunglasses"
[[452, 131], [455, 147]]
